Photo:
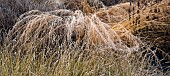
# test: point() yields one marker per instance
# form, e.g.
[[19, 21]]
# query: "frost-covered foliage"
[[69, 29]]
